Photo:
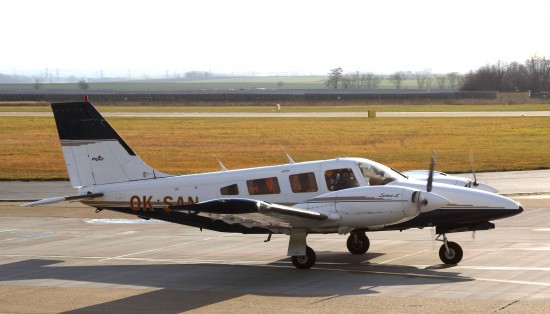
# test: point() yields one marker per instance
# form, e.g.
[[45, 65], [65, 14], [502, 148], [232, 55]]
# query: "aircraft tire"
[[305, 261], [454, 256], [358, 243]]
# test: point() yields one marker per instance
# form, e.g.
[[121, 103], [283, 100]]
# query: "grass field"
[[30, 147], [221, 83]]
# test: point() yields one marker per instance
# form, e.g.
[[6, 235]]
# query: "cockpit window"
[[376, 174], [339, 179]]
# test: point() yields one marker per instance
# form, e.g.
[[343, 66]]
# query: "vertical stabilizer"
[[94, 153]]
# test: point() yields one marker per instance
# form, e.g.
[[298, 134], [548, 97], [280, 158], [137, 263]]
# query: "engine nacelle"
[[375, 205]]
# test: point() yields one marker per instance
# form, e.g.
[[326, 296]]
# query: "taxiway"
[[67, 258]]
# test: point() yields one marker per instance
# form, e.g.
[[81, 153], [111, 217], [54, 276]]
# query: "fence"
[[303, 96]]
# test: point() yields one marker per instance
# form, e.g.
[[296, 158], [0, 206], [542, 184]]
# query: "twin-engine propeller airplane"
[[344, 195]]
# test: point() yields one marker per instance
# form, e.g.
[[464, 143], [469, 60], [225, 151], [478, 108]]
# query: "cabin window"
[[263, 186], [339, 179], [232, 189], [303, 182]]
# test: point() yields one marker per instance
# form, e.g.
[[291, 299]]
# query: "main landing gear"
[[450, 252], [358, 243], [305, 261]]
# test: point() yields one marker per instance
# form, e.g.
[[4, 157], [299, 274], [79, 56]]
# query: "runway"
[[283, 114], [67, 258]]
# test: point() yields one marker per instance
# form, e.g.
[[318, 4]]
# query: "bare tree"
[[516, 77], [397, 79], [334, 77], [347, 81], [37, 83], [82, 84], [500, 69], [539, 73], [486, 78], [454, 79], [422, 77], [441, 80], [356, 79], [371, 80], [429, 82], [352, 80]]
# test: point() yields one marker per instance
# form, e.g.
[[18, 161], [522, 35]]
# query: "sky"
[[137, 38]]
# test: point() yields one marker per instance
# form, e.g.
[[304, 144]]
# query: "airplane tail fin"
[[94, 152]]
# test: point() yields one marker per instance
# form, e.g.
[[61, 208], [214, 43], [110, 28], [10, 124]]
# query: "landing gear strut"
[[358, 243], [449, 252]]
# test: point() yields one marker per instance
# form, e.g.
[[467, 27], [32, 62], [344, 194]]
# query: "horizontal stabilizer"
[[59, 199]]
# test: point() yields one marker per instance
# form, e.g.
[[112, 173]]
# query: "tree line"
[[424, 79], [533, 75]]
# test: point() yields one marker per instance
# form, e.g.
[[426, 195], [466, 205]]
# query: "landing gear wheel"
[[358, 243], [305, 261], [453, 256]]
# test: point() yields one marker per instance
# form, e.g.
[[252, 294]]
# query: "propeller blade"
[[431, 175]]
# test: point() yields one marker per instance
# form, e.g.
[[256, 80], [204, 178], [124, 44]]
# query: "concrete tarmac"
[[67, 258]]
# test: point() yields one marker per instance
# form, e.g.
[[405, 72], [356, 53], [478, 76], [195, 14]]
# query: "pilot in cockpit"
[[373, 176]]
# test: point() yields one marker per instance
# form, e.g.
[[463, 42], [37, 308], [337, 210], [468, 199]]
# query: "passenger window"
[[339, 179], [303, 182], [232, 189], [263, 186]]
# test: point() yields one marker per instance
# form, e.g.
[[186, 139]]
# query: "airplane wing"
[[251, 212]]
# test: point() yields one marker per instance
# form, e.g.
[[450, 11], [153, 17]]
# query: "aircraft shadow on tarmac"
[[185, 287]]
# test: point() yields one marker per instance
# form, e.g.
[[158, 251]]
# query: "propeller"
[[431, 175]]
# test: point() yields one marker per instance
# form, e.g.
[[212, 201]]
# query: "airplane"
[[342, 195]]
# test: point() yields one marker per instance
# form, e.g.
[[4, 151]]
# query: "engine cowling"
[[376, 205]]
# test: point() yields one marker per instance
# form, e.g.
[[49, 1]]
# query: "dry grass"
[[30, 147]]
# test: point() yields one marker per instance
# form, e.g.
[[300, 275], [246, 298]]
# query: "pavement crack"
[[507, 305]]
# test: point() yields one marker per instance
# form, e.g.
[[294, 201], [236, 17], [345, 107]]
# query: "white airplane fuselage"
[[288, 184]]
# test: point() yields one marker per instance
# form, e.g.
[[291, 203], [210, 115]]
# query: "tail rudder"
[[94, 152]]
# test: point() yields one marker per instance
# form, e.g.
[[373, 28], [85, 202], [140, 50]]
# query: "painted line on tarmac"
[[166, 247], [397, 258]]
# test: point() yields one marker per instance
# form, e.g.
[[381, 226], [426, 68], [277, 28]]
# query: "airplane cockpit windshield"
[[377, 174]]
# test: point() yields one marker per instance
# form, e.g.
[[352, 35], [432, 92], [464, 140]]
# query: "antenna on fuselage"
[[473, 167], [290, 160], [220, 162]]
